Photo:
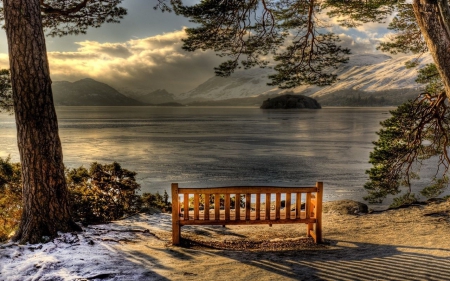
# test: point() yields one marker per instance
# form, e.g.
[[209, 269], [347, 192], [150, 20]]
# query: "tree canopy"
[[294, 35], [72, 17]]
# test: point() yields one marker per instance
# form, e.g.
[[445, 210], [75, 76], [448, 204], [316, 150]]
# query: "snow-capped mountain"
[[387, 75], [372, 74], [241, 84]]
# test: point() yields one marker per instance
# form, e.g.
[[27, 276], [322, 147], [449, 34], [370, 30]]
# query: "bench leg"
[[309, 227], [176, 233]]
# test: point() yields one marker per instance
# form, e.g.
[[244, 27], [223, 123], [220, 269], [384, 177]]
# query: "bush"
[[103, 193], [10, 197], [150, 200], [404, 200]]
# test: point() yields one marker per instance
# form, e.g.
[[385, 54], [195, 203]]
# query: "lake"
[[208, 146]]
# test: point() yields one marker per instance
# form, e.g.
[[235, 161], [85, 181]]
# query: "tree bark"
[[433, 28], [46, 208]]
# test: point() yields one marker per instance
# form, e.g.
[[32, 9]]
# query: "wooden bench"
[[242, 205]]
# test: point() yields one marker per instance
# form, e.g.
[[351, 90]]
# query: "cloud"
[[156, 62], [363, 38], [358, 45]]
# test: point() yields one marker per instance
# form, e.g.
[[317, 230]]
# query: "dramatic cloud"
[[158, 62], [151, 63], [358, 45]]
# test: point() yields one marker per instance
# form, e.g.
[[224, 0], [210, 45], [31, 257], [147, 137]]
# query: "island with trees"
[[290, 102]]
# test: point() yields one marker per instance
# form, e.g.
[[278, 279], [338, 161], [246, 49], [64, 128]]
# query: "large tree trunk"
[[45, 196], [430, 21]]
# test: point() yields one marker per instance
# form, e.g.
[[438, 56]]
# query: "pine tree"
[[46, 208]]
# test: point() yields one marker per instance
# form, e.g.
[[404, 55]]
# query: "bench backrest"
[[238, 205]]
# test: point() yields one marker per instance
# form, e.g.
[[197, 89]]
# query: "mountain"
[[366, 78], [156, 97], [241, 84], [88, 92], [251, 101]]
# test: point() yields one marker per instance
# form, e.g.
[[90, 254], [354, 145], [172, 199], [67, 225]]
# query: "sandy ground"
[[405, 244]]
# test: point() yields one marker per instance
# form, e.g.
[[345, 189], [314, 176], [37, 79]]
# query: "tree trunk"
[[431, 24], [46, 208]]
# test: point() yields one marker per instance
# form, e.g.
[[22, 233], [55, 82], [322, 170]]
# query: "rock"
[[348, 207], [289, 102]]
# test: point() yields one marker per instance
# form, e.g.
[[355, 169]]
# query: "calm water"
[[204, 147]]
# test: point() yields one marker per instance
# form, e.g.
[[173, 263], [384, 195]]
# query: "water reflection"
[[220, 146]]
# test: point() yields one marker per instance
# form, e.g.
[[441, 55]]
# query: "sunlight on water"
[[220, 146]]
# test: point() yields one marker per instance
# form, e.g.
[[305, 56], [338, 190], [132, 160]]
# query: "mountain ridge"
[[377, 75], [89, 92]]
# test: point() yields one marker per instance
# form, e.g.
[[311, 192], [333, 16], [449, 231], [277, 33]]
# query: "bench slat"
[[216, 206], [287, 206], [196, 206], [307, 205], [247, 206], [237, 206], [268, 197], [258, 207], [277, 206], [227, 207], [186, 207], [298, 206], [246, 189], [206, 209]]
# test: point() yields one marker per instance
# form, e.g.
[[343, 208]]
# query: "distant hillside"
[[252, 101], [366, 78], [88, 92], [242, 84], [160, 96], [350, 97]]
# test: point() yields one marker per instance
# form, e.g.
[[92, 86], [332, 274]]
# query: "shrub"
[[10, 197], [103, 193], [404, 200], [156, 200]]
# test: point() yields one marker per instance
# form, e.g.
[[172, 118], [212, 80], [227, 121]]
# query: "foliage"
[[404, 200], [252, 33], [292, 33], [407, 36], [72, 17], [102, 193], [156, 200], [10, 197], [429, 76], [417, 131], [389, 155], [6, 100], [352, 13]]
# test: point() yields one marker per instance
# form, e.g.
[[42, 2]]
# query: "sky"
[[143, 53]]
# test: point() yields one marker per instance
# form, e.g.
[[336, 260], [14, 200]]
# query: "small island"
[[290, 101]]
